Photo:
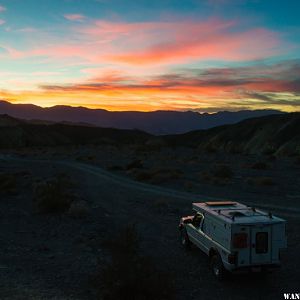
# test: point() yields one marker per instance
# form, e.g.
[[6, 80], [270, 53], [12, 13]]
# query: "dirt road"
[[143, 187]]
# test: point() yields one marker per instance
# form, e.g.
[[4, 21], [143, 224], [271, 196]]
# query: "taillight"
[[240, 240]]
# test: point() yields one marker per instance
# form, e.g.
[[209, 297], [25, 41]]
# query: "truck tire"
[[184, 239], [217, 267]]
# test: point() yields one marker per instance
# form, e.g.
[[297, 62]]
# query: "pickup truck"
[[235, 237]]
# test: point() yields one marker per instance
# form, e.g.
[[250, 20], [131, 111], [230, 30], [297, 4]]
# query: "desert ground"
[[58, 255]]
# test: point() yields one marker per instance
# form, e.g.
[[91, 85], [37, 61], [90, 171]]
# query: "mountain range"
[[156, 122], [274, 134]]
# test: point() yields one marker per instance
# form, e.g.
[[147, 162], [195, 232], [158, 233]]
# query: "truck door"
[[197, 233], [261, 244]]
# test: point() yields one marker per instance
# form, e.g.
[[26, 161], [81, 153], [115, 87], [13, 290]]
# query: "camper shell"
[[235, 236]]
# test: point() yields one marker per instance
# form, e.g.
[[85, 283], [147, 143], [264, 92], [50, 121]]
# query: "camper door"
[[261, 244]]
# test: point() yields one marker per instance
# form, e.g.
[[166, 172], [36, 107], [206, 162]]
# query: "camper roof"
[[235, 212]]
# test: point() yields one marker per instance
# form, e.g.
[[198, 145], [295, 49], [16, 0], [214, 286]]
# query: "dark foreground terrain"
[[58, 255]]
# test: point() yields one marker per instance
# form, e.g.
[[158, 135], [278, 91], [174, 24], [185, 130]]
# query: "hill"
[[157, 122], [16, 133], [274, 134]]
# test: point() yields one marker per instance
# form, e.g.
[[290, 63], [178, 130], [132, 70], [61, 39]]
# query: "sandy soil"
[[55, 256]]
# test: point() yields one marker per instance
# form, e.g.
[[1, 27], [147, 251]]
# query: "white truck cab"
[[236, 237]]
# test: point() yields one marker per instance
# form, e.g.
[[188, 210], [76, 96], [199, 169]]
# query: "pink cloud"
[[198, 44], [74, 17], [2, 22], [155, 43], [12, 52], [166, 42], [2, 8]]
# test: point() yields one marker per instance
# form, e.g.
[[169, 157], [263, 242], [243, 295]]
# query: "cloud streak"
[[283, 77], [74, 17], [197, 87]]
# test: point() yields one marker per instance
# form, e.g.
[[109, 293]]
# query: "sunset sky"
[[202, 55]]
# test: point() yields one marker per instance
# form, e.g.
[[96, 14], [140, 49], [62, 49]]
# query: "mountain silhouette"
[[156, 122]]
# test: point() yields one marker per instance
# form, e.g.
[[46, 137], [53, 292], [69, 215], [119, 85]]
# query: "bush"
[[209, 148], [78, 209], [161, 205], [222, 171], [114, 168], [136, 164], [259, 166], [263, 181], [130, 275], [188, 185], [142, 176], [8, 183], [158, 175], [206, 176], [53, 196], [269, 150]]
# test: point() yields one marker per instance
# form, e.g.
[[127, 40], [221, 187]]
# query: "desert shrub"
[[158, 175], [297, 160], [205, 175], [90, 158], [235, 149], [114, 168], [136, 164], [192, 161], [143, 176], [259, 166], [87, 158], [161, 205], [262, 181], [53, 195], [155, 144], [220, 180], [130, 275], [222, 171], [78, 209], [250, 181], [219, 174], [8, 182], [269, 150], [164, 175], [188, 185], [209, 148], [271, 158]]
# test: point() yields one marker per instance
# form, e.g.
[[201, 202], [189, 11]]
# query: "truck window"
[[203, 225], [197, 220]]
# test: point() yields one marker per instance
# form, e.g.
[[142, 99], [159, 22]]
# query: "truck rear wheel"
[[184, 238], [217, 267]]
